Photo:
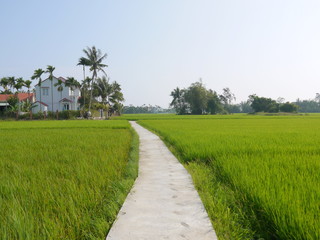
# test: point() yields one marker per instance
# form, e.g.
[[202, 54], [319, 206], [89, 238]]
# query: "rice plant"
[[64, 179], [264, 170]]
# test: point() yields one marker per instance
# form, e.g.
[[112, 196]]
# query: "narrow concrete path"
[[163, 203]]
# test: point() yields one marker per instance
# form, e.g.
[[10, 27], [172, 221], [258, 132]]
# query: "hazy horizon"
[[269, 48]]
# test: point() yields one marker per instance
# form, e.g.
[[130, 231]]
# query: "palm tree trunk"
[[30, 110], [52, 95], [60, 100], [91, 94], [84, 79]]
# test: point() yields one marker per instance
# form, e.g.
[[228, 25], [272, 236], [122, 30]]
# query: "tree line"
[[145, 109], [197, 99], [97, 92]]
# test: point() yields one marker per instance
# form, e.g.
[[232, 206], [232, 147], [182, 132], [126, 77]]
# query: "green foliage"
[[213, 103], [72, 185], [262, 104], [179, 102], [198, 100], [196, 96], [13, 101], [308, 106], [258, 176], [288, 107]]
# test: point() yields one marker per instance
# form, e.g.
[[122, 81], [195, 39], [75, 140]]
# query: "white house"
[[67, 99]]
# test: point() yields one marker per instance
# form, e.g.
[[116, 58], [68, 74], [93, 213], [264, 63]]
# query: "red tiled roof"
[[21, 96]]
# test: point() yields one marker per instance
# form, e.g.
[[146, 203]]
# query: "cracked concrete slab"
[[163, 203]]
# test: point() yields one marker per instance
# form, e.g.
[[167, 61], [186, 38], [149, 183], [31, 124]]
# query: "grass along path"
[[64, 179]]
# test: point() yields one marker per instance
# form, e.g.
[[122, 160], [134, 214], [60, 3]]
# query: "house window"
[[65, 106], [45, 91]]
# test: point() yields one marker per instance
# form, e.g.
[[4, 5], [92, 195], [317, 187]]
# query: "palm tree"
[[50, 70], [59, 88], [19, 83], [84, 90], [37, 75], [116, 97], [178, 100], [73, 84], [27, 84], [12, 82], [84, 62], [4, 82], [103, 89], [94, 58]]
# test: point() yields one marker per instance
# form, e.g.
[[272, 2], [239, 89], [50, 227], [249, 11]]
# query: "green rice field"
[[64, 179], [258, 176]]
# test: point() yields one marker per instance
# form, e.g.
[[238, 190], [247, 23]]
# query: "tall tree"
[[50, 70], [196, 96], [4, 82], [19, 83], [12, 82], [226, 98], [37, 75], [84, 63], [214, 105], [178, 101], [27, 84], [59, 88], [103, 89], [94, 58]]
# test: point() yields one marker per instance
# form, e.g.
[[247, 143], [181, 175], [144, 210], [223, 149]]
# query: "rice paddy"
[[257, 176], [64, 179]]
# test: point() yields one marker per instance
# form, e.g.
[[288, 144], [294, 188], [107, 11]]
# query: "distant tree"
[[307, 106], [85, 96], [280, 100], [196, 97], [227, 97], [179, 101], [72, 83], [116, 96], [317, 98], [27, 84], [50, 70], [11, 83], [94, 58], [213, 103], [84, 62], [262, 104], [4, 82], [288, 107], [19, 83], [110, 94], [59, 86], [245, 107], [37, 75]]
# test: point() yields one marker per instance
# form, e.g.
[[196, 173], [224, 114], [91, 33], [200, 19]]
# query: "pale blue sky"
[[270, 47]]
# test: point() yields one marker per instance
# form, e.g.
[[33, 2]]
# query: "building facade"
[[67, 99]]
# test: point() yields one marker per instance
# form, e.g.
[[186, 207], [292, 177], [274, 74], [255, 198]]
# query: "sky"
[[266, 47]]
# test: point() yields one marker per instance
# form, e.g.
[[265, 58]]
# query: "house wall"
[[57, 96]]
